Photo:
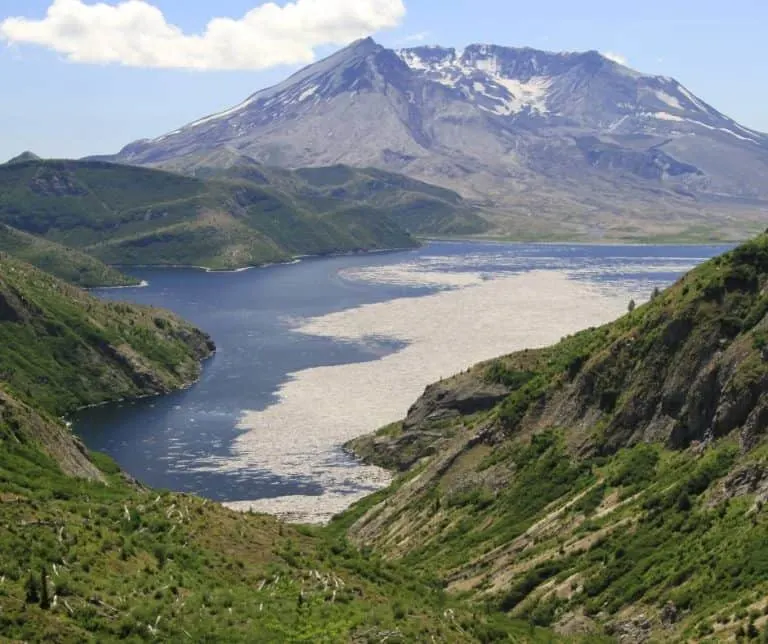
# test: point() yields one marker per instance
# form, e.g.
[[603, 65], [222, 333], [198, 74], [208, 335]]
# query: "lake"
[[317, 352]]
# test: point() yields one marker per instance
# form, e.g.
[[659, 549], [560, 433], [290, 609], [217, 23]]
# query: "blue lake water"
[[252, 317]]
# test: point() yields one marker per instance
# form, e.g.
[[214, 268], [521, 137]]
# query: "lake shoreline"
[[241, 269], [596, 244], [66, 418], [332, 349]]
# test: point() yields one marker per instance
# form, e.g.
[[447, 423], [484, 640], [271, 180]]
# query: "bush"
[[532, 580], [498, 373], [637, 466]]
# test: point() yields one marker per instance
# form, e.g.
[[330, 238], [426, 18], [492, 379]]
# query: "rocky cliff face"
[[521, 130], [19, 423], [584, 485]]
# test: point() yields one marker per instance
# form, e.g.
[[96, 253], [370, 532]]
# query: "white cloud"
[[136, 34], [616, 58]]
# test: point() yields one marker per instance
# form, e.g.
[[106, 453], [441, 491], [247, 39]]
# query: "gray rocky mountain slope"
[[550, 144]]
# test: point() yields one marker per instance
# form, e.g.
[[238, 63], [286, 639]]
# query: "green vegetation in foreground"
[[96, 557], [616, 488], [65, 263], [127, 564]]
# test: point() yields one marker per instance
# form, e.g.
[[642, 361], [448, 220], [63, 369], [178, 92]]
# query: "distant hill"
[[126, 215], [25, 156], [615, 483], [66, 263], [554, 144], [417, 207]]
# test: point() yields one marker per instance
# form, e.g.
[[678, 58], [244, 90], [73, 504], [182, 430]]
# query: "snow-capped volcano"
[[519, 129]]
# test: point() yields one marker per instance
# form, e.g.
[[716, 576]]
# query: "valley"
[[514, 485], [313, 354], [413, 343], [89, 554]]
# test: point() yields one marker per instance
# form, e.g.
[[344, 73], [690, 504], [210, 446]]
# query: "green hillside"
[[62, 348], [418, 207], [126, 215], [66, 263], [612, 484], [87, 554]]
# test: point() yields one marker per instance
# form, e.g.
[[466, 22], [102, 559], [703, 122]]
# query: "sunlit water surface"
[[315, 353]]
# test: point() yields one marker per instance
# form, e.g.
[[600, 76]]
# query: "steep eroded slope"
[[614, 481]]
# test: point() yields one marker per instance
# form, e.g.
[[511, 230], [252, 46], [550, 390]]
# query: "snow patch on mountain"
[[668, 99], [752, 133], [664, 116], [413, 61], [481, 75], [695, 101], [723, 129], [532, 93], [221, 115], [307, 93]]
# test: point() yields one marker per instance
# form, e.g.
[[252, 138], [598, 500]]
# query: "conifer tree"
[[31, 589], [45, 601]]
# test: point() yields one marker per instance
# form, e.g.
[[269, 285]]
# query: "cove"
[[275, 326]]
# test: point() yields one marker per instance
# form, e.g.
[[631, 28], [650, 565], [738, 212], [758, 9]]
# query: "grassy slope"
[[121, 562], [415, 206], [418, 207], [618, 486], [124, 563], [66, 263], [62, 348], [122, 214]]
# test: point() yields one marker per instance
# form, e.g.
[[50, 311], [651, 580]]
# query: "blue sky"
[[57, 107]]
